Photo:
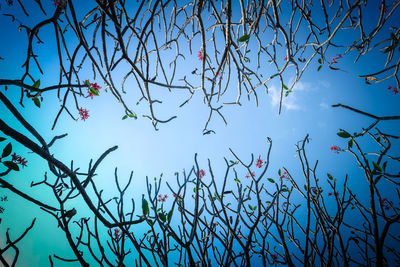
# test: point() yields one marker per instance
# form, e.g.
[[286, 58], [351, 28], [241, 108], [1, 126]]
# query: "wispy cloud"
[[324, 83], [324, 105], [288, 103]]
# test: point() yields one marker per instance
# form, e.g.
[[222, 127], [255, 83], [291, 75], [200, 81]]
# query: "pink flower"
[[15, 157], [95, 86], [201, 173], [252, 175], [176, 196], [84, 113], [56, 3], [385, 203], [117, 233], [284, 176], [200, 55], [380, 9], [259, 163], [285, 58], [335, 149], [92, 87], [19, 160], [333, 60], [333, 194], [9, 2], [395, 90], [274, 257], [162, 198]]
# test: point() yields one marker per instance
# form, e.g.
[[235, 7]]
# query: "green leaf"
[[320, 61], [145, 207], [344, 134], [246, 59], [284, 86], [2, 139], [124, 117], [87, 82], [250, 207], [350, 143], [150, 222], [94, 91], [305, 187], [390, 48], [132, 115], [377, 179], [36, 84], [170, 215], [37, 102], [319, 67], [7, 150], [330, 176], [11, 165], [376, 166], [394, 38], [271, 180], [384, 166], [280, 172], [162, 216], [244, 38]]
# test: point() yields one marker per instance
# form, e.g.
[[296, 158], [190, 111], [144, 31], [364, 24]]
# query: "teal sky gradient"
[[171, 149]]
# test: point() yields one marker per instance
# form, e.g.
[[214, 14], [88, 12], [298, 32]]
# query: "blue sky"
[[148, 153]]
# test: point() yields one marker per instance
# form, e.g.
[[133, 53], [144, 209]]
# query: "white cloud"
[[325, 84], [324, 105], [288, 103]]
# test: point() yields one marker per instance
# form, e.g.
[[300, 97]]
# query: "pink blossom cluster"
[[395, 90], [385, 203], [19, 159], [177, 196], [333, 60], [92, 86], [284, 175], [259, 163], [162, 198], [380, 9], [333, 194], [200, 55], [201, 173], [335, 149], [252, 175], [84, 113], [117, 234]]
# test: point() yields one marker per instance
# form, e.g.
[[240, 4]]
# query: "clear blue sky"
[[148, 153]]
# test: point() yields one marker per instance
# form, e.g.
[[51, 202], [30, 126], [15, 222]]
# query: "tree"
[[209, 222]]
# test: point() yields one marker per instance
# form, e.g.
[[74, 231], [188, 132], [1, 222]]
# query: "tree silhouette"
[[253, 220]]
